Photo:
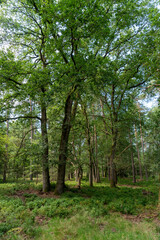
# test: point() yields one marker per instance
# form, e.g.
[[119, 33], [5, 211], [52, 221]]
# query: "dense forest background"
[[73, 78]]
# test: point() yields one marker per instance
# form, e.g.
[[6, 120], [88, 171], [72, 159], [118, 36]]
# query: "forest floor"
[[128, 212]]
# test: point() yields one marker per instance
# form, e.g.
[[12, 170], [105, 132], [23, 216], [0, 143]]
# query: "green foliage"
[[97, 204], [105, 50]]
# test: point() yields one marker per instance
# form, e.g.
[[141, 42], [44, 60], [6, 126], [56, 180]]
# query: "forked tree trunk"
[[45, 163], [63, 150]]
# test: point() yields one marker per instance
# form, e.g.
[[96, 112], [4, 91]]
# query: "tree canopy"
[[71, 73]]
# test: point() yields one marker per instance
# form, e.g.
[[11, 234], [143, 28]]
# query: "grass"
[[90, 213], [109, 227]]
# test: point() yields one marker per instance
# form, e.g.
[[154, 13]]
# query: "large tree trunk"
[[63, 150], [45, 163]]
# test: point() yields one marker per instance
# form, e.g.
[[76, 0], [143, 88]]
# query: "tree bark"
[[90, 150], [132, 160], [159, 193], [106, 133], [31, 173], [97, 174], [112, 169], [142, 143], [5, 168], [45, 163], [6, 156], [63, 150], [113, 173], [139, 160]]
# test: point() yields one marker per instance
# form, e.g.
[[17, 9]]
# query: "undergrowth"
[[27, 214]]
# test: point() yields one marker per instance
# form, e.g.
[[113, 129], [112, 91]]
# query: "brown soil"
[[148, 215], [21, 193], [41, 220]]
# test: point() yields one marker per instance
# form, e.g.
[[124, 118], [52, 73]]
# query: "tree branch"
[[21, 144], [20, 117]]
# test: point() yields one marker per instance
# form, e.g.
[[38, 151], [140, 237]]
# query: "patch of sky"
[[150, 102]]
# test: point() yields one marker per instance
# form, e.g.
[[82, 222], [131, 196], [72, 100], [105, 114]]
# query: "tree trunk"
[[6, 155], [37, 178], [90, 150], [113, 173], [5, 166], [24, 169], [142, 143], [159, 193], [109, 172], [97, 174], [31, 173], [45, 163], [139, 160], [146, 172], [107, 134], [132, 160], [69, 176], [5, 170], [102, 172], [63, 150], [133, 168], [95, 154], [79, 176]]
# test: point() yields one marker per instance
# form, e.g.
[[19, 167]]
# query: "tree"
[[68, 48]]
